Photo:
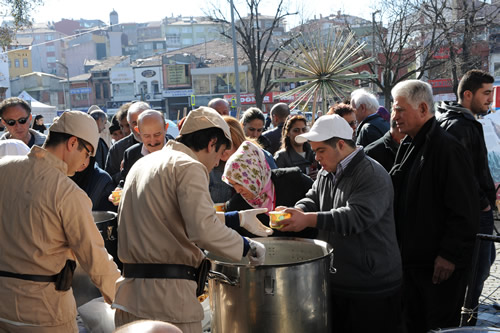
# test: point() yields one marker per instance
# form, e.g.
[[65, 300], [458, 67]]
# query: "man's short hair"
[[415, 92], [14, 101], [333, 142], [136, 107], [252, 114], [363, 97], [199, 140], [473, 80], [341, 109], [98, 114], [280, 110]]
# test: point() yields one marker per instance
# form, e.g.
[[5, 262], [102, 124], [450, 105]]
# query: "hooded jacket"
[[460, 122]]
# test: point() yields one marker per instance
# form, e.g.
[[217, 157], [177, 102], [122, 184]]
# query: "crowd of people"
[[400, 199]]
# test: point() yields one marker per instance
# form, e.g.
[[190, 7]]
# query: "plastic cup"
[[277, 216], [220, 207]]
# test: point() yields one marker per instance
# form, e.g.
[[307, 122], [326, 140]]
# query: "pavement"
[[489, 302]]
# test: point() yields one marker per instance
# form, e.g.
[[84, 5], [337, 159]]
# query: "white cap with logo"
[[327, 127]]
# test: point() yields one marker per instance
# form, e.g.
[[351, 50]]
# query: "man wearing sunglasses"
[[46, 224], [16, 117]]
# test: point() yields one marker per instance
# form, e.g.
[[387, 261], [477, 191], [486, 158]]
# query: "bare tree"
[[20, 11], [258, 42]]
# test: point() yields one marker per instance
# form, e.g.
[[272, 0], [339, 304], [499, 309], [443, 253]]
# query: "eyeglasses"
[[353, 123], [81, 143], [21, 121], [298, 129]]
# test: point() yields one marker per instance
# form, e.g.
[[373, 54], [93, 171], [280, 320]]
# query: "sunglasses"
[[21, 121], [298, 130], [353, 123]]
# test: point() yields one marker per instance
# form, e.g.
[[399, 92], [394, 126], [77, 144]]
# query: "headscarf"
[[248, 167]]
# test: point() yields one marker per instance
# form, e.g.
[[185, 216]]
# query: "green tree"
[[20, 11]]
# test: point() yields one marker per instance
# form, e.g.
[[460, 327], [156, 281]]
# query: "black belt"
[[159, 271], [30, 277]]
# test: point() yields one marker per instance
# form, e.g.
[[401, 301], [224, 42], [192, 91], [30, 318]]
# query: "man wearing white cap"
[[46, 223], [351, 205], [166, 215]]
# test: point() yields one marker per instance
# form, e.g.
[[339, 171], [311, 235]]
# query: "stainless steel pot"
[[289, 293], [83, 288]]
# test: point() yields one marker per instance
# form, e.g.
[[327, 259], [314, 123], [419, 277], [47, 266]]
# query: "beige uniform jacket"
[[165, 211], [45, 219]]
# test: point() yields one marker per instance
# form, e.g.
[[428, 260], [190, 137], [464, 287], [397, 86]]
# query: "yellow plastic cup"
[[220, 207], [277, 216], [117, 195]]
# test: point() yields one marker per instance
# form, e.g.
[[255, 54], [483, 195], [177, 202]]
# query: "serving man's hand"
[[298, 221], [442, 270]]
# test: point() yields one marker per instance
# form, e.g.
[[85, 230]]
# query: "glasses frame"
[[20, 121], [80, 142]]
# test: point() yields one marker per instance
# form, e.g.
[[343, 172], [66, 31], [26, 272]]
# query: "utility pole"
[[67, 77], [374, 55], [235, 55]]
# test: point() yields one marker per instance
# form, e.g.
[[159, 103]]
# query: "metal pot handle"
[[333, 270], [221, 277]]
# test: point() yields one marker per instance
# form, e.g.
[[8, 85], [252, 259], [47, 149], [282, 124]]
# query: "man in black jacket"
[[371, 125], [475, 94], [436, 211]]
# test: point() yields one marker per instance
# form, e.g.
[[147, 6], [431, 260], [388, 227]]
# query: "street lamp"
[[67, 77], [235, 56]]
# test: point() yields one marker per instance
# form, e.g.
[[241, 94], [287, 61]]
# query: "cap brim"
[[310, 136]]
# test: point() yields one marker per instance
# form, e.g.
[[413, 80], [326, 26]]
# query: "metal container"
[[289, 293], [83, 288]]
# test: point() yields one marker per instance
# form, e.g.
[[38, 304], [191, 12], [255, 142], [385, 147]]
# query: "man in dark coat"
[[436, 212], [384, 150], [371, 125], [475, 94], [279, 113]]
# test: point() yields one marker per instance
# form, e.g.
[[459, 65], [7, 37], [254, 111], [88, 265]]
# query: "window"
[[25, 63], [201, 84], [49, 37], [98, 91], [143, 87], [50, 48], [187, 30], [16, 63], [105, 90], [51, 59], [173, 39], [147, 46], [497, 69], [199, 29], [187, 41], [155, 87], [10, 63]]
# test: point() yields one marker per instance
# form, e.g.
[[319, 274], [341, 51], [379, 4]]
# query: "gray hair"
[[415, 92], [137, 107], [363, 97]]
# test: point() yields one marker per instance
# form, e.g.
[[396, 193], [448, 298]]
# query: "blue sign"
[[75, 91]]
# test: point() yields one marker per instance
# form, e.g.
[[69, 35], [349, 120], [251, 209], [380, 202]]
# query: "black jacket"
[[370, 129], [286, 158], [274, 137], [101, 153], [383, 150], [436, 205], [115, 156], [459, 122], [130, 156], [290, 185]]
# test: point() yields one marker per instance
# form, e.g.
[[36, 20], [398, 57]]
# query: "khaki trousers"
[[123, 318], [66, 328]]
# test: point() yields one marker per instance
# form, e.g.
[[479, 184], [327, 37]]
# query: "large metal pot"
[[289, 293], [83, 288]]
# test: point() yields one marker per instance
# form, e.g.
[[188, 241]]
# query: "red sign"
[[496, 98], [246, 99], [440, 83], [444, 53]]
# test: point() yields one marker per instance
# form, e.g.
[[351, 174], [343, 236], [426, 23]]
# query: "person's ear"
[[424, 109], [211, 145], [72, 143], [136, 128]]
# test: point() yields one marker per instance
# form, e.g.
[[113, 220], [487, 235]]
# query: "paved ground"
[[489, 310]]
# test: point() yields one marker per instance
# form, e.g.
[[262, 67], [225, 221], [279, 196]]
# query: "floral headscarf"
[[248, 167]]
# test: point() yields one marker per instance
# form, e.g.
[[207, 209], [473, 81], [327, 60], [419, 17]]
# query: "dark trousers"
[[367, 314], [429, 306], [485, 260]]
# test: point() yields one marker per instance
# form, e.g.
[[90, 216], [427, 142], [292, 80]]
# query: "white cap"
[[327, 127], [78, 124], [13, 147]]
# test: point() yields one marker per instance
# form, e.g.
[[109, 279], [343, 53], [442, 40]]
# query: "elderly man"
[[100, 118], [384, 150], [279, 113], [220, 105], [371, 126], [46, 223], [16, 117], [351, 204], [153, 130], [436, 208], [115, 155], [475, 95], [168, 193]]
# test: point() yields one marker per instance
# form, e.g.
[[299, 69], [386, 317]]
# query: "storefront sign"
[[247, 99], [148, 73], [177, 93]]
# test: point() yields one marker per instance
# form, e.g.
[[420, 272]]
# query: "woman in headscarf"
[[257, 186]]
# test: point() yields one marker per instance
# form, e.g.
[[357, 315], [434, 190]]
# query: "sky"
[[155, 10]]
